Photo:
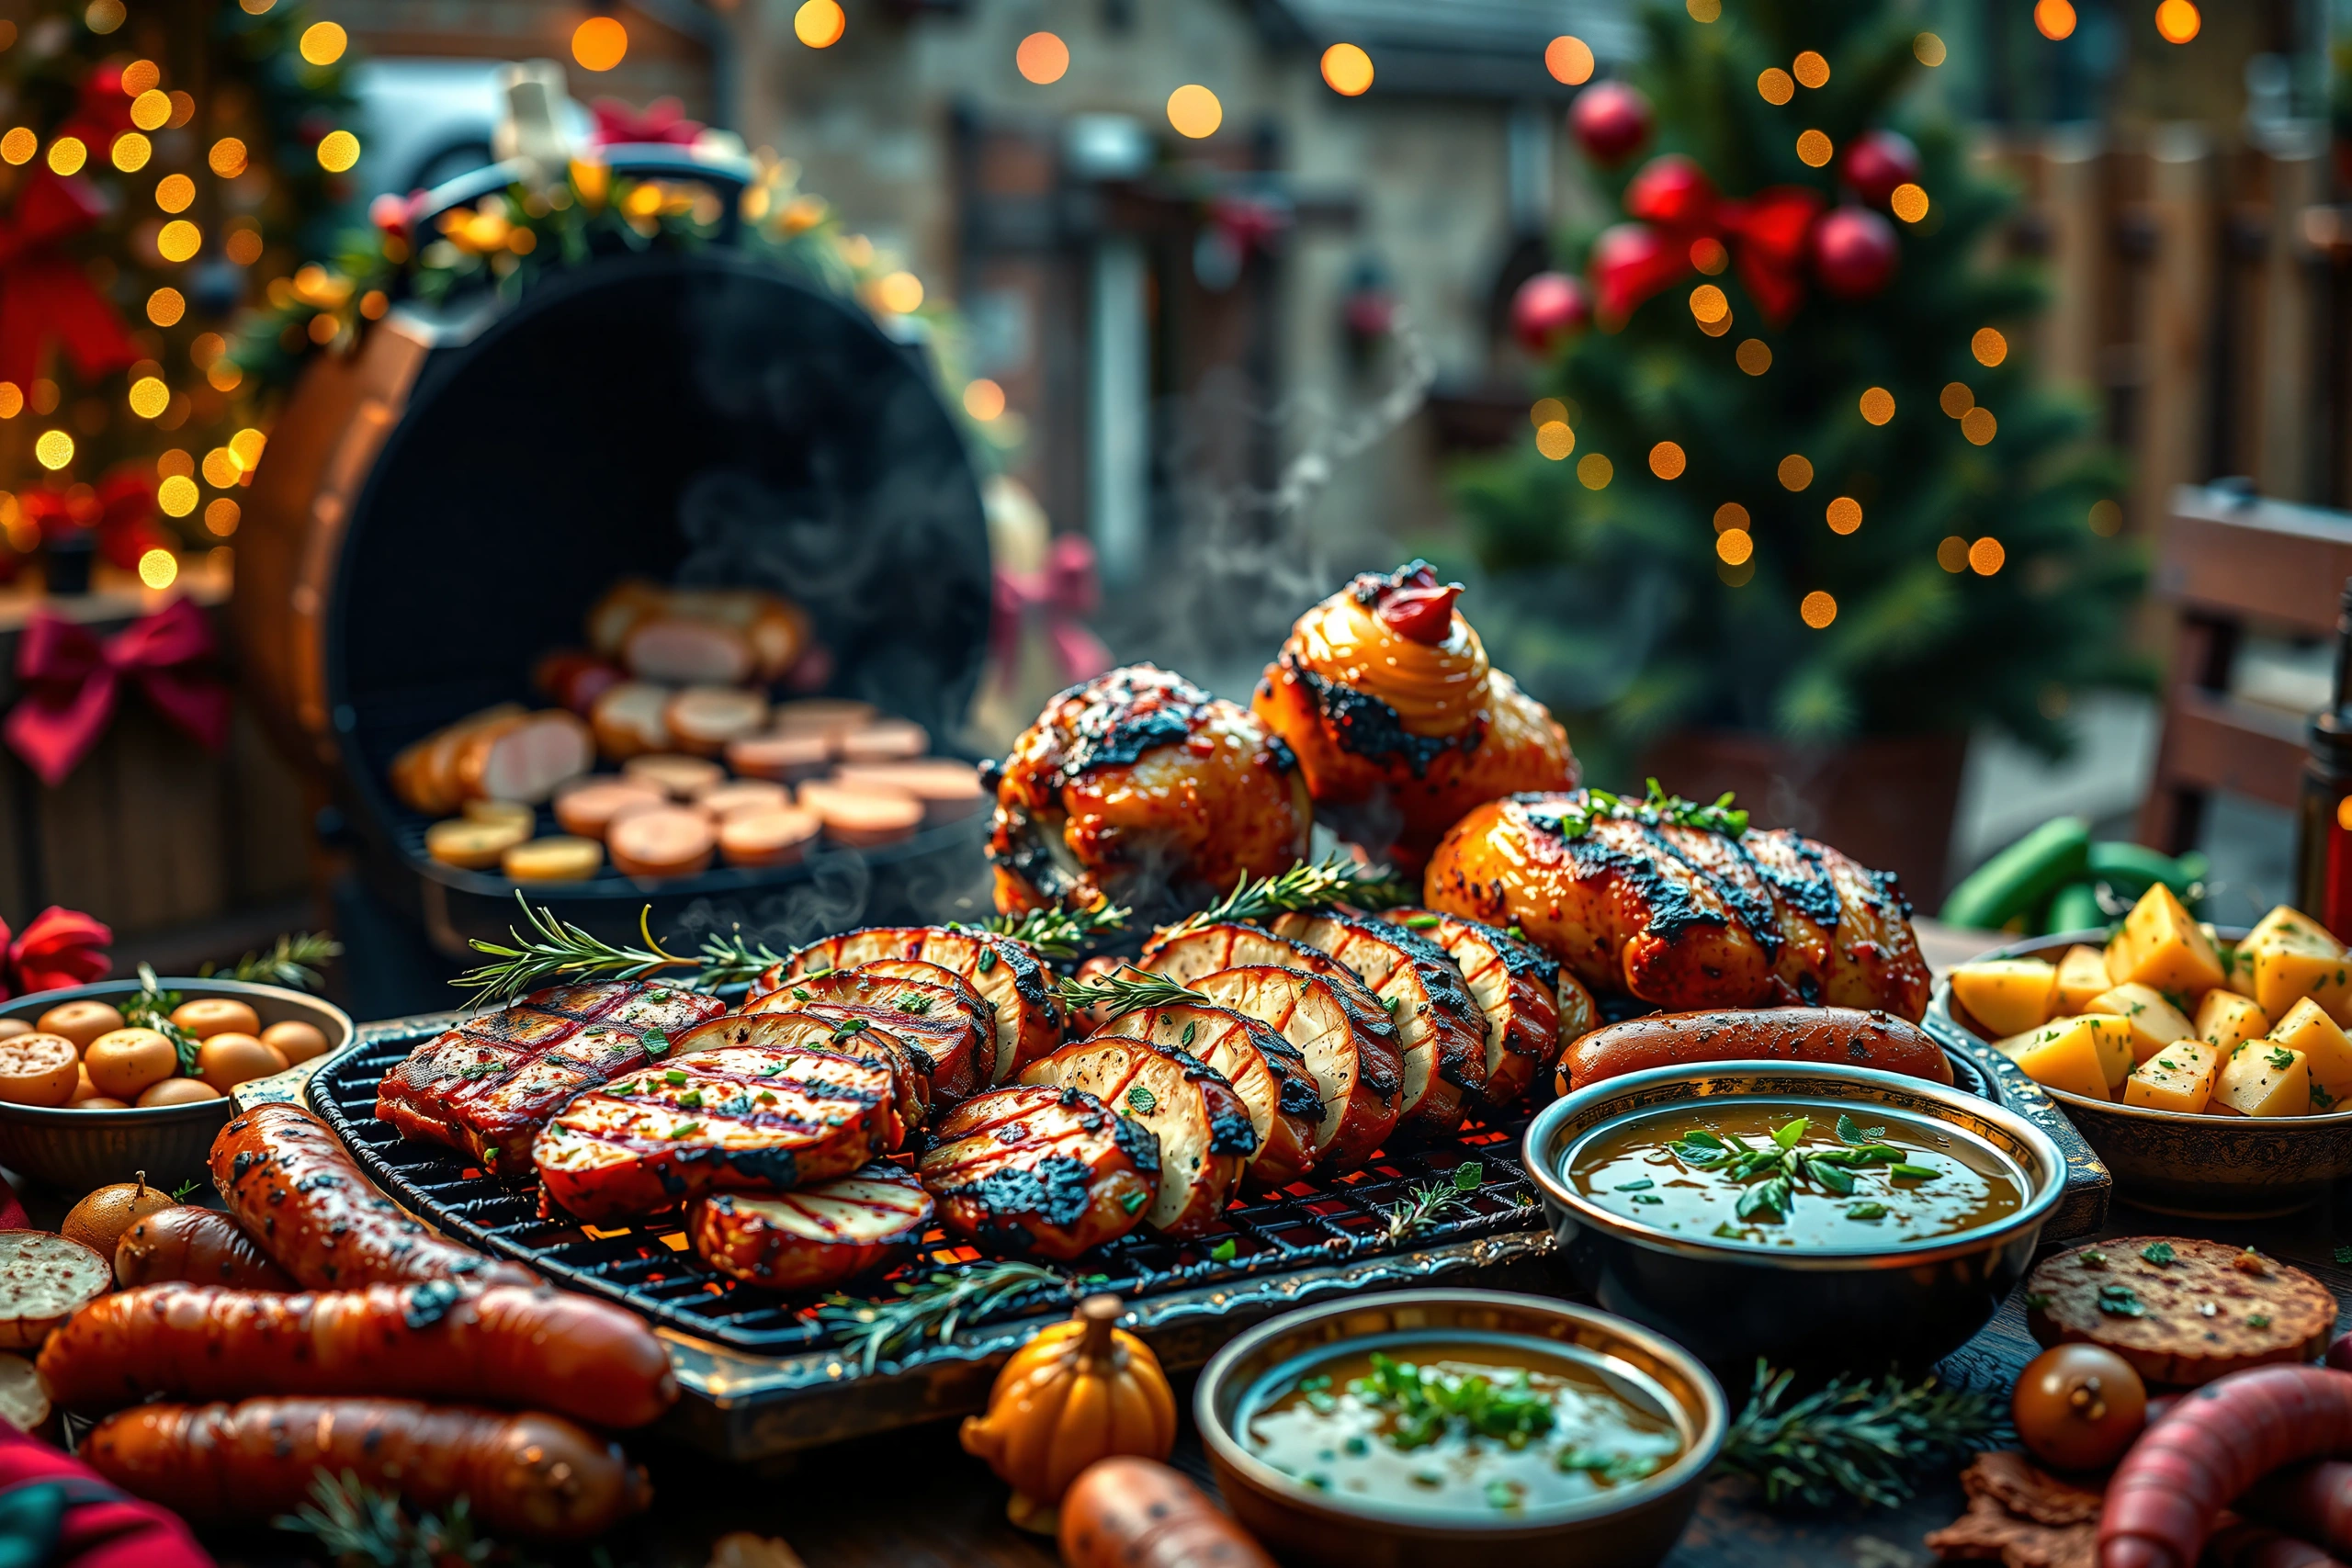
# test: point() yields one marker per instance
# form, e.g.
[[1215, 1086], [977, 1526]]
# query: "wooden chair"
[[2230, 560]]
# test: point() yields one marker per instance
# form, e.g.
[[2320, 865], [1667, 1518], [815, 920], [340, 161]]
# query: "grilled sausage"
[[1264, 1069], [1008, 973], [836, 1032], [1048, 1172], [1518, 987], [531, 1476], [1845, 1036], [738, 1118], [556, 1349], [932, 1018], [200, 1245], [1205, 1138], [1350, 1049], [1131, 1512], [814, 1237], [289, 1183], [1439, 1026]]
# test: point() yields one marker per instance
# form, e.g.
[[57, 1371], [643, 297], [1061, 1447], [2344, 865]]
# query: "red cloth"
[[126, 1534], [71, 680]]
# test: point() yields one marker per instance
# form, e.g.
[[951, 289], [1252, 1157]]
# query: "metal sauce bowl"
[[1906, 1303], [78, 1150], [1632, 1526]]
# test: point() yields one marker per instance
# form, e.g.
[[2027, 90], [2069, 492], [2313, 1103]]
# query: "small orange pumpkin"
[[1081, 1390]]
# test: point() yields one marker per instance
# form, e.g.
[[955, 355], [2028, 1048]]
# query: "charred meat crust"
[[1006, 972], [1364, 724], [1042, 1170], [816, 1236], [1235, 944]]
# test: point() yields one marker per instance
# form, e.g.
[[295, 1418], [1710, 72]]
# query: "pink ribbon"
[[1057, 598], [71, 682]]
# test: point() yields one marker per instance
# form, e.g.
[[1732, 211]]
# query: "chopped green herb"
[[1502, 1493], [914, 1004], [685, 1129], [1852, 1132], [2093, 1257], [1222, 1252], [1427, 1404], [2281, 1058], [2121, 1301], [690, 1101], [673, 1077], [1838, 1182], [2157, 1252], [1468, 1175], [1727, 1232], [1514, 933], [657, 1044], [1423, 922], [987, 960], [2036, 1300], [1647, 1197], [1142, 1099], [1643, 1185], [1187, 1037], [2344, 1255], [1867, 1212], [1914, 1172], [1789, 1134], [2257, 1320], [800, 993], [1135, 1200]]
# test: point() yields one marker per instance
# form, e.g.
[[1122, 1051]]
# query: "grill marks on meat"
[[1007, 973], [815, 1236], [1847, 929], [1518, 988], [738, 1118], [836, 1033], [1264, 1069], [1350, 1049], [1439, 1026], [488, 1085], [1048, 1172], [1203, 1127], [1186, 956]]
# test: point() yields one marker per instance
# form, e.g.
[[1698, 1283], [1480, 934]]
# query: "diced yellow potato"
[[2286, 921], [2155, 1023], [2307, 1029], [2159, 946], [2070, 1057], [2082, 974], [2262, 1079], [2287, 956], [2178, 1077], [2008, 995], [2225, 1018]]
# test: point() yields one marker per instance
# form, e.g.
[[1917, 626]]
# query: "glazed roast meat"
[[1048, 1172], [836, 1031], [1680, 914], [950, 1031], [1349, 1047], [1139, 788], [1204, 1130], [814, 1237], [486, 1086]]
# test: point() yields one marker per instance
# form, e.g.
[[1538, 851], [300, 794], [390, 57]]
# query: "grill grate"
[[649, 1269]]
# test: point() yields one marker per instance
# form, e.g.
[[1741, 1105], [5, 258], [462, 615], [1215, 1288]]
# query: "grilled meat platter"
[[1439, 1029], [1008, 973], [1530, 1007]]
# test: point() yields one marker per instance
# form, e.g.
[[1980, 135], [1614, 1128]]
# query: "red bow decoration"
[[60, 948], [71, 680], [1677, 206], [43, 293], [1059, 595], [663, 120], [121, 508]]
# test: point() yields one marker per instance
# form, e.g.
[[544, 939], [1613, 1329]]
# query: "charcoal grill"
[[765, 1376]]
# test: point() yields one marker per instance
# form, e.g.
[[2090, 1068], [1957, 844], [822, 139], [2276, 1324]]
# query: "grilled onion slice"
[[815, 1235], [1008, 973], [1265, 1070], [1205, 1138], [1350, 1049], [1048, 1172]]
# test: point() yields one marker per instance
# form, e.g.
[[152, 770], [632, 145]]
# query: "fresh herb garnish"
[[657, 1044], [1423, 922], [1657, 808], [2280, 1057], [1129, 990], [1856, 1439], [1424, 1206], [2257, 1320], [1142, 1100], [356, 1524], [1303, 886], [1055, 933], [557, 950], [1644, 1185], [1789, 1134], [1852, 1132], [931, 1307], [1187, 1038], [1224, 1251], [2121, 1301], [1425, 1405], [2157, 1252], [1867, 1212], [1468, 1175], [1910, 1172], [292, 962], [1135, 1200]]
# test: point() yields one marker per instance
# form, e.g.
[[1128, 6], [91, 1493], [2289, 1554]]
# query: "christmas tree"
[[1790, 475]]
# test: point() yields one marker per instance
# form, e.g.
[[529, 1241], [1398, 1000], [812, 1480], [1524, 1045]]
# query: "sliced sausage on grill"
[[1205, 1138], [1186, 956], [1264, 1069], [931, 1017], [834, 1031], [1046, 1172], [1350, 1049], [1517, 985], [813, 1237], [1008, 973], [740, 1118], [1438, 1023]]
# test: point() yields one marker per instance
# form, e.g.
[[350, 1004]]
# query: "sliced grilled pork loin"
[[742, 1119], [968, 1002], [1186, 956], [1438, 1023], [1206, 1137], [1008, 973], [1264, 1069], [1518, 987], [933, 1018], [1048, 1172], [837, 1031], [1350, 1048], [815, 1235]]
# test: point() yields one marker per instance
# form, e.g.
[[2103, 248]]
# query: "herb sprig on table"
[[1855, 1438], [359, 1527], [931, 1307], [1773, 1171], [293, 962]]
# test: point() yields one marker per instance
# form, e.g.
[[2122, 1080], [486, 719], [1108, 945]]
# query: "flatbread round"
[[44, 1279], [2182, 1311]]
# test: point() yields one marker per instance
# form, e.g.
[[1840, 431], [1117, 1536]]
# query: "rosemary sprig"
[[1856, 1439], [1305, 886], [557, 950], [1430, 1202], [1656, 808], [1127, 991], [150, 1008], [359, 1527], [931, 1308], [1057, 932], [293, 962]]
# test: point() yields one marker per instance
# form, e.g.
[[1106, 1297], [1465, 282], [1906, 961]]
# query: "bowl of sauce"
[[1432, 1427], [1818, 1216]]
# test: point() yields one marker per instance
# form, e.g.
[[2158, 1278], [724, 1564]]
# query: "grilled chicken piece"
[[1682, 916], [1141, 788], [1517, 987], [1400, 723], [1187, 954], [835, 1031], [1046, 1172], [1264, 1069], [1350, 1051], [813, 1237], [932, 1018], [1442, 1033], [737, 1119], [1206, 1137], [488, 1085], [1009, 973]]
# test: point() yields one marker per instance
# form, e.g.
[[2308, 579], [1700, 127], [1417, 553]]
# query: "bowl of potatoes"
[[2209, 1069], [100, 1082]]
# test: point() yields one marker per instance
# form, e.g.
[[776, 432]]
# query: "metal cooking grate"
[[649, 1268]]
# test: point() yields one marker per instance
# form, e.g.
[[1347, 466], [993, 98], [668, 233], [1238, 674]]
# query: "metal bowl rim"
[[1536, 1156], [1713, 1418]]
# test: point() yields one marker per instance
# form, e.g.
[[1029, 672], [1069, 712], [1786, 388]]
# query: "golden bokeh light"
[[1668, 460], [901, 292], [158, 568], [2053, 19], [1775, 86], [204, 348], [1734, 546], [1194, 111], [183, 109], [1985, 556], [1810, 69], [1753, 355], [1042, 57], [1703, 10], [173, 192], [1707, 303], [1955, 399], [178, 241], [1844, 514], [1718, 327], [1952, 554], [221, 517], [12, 401], [324, 326], [141, 76], [130, 152], [983, 399], [1570, 59], [1815, 149], [819, 24], [247, 446], [1347, 70], [338, 150], [152, 110], [1796, 471], [18, 146], [221, 468], [1594, 471], [1818, 610], [1708, 255], [104, 15], [323, 43], [1555, 439], [165, 307], [177, 494], [227, 158], [149, 397], [67, 154], [1927, 49], [1729, 515], [175, 464], [1908, 202], [54, 448], [244, 246], [1979, 425], [1989, 346], [1544, 410], [2177, 21], [1878, 405], [599, 43], [2106, 519]]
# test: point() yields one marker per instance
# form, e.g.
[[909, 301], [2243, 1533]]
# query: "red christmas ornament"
[[1608, 120], [1672, 192], [1878, 161], [1854, 252], [1549, 307]]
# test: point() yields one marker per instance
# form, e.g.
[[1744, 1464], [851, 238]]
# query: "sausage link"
[[285, 1176], [1845, 1036], [1128, 1512], [545, 1347], [201, 1246], [529, 1475]]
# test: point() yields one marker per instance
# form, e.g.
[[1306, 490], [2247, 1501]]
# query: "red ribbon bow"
[[1677, 207], [1059, 595], [71, 680], [43, 294], [59, 948], [663, 120]]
